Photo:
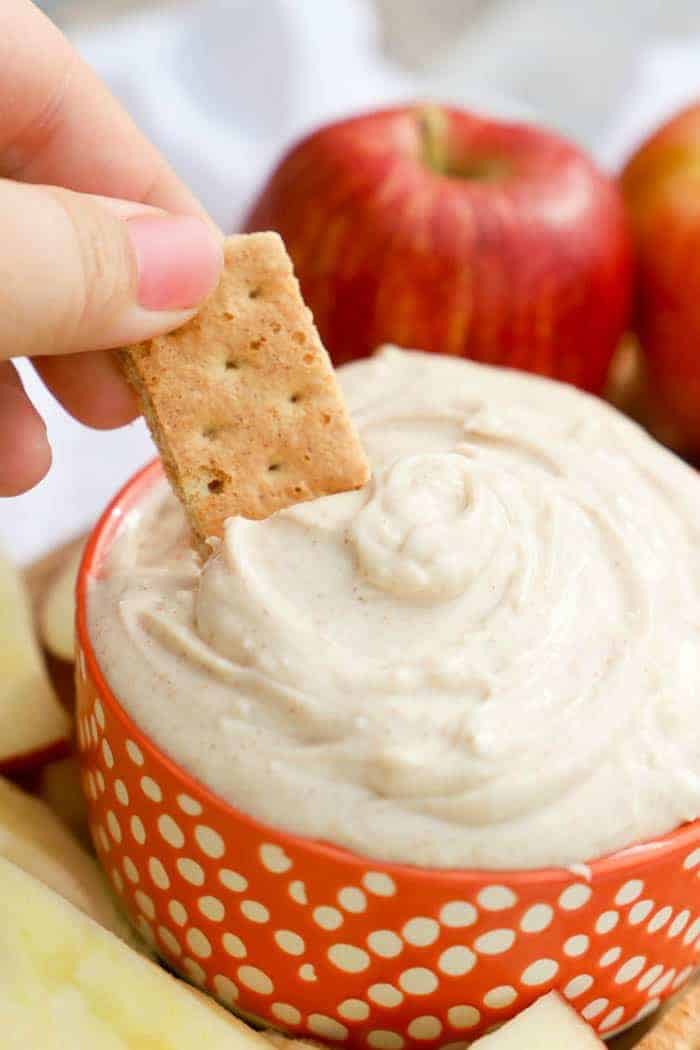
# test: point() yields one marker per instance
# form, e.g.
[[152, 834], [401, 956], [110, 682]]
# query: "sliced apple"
[[549, 1024], [33, 838], [66, 982], [57, 609], [60, 788], [33, 725]]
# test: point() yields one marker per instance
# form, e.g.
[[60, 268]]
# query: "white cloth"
[[222, 86]]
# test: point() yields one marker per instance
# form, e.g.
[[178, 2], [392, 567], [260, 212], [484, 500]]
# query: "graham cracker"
[[242, 401], [679, 1026]]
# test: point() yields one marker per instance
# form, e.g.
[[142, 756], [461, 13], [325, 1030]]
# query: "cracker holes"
[[254, 293], [231, 365], [274, 467], [215, 485], [299, 338], [295, 399], [210, 433]]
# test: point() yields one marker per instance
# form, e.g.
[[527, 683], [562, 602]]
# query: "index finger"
[[60, 125]]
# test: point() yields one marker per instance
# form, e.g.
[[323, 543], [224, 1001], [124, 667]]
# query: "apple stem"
[[432, 126]]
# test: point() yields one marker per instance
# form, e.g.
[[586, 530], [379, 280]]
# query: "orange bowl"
[[320, 942]]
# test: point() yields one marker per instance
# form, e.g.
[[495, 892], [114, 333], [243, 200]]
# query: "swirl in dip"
[[486, 658]]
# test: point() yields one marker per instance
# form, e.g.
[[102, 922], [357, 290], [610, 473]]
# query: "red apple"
[[434, 228], [661, 184]]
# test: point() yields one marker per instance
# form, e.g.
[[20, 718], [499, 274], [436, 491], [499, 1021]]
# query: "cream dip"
[[489, 657]]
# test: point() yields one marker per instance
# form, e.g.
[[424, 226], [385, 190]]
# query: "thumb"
[[87, 273]]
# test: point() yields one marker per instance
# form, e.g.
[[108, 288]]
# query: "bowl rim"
[[630, 858]]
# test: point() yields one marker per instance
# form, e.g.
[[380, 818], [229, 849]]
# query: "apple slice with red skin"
[[549, 1024], [34, 727], [434, 228]]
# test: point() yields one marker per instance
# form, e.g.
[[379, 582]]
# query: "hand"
[[100, 244]]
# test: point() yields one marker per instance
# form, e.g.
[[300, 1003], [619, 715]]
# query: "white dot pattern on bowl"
[[211, 908], [578, 985], [385, 995], [425, 1027], [607, 921], [255, 979], [421, 931], [274, 858], [385, 1039], [134, 752], [233, 881], [640, 912], [496, 898], [194, 971], [349, 958], [652, 975], [233, 945], [327, 1027], [692, 860], [151, 789], [457, 914], [137, 829], [354, 1010], [500, 997], [659, 920], [169, 941], [178, 912], [378, 883], [537, 918], [610, 956], [630, 969], [254, 911], [190, 870], [209, 841], [130, 870], [577, 945], [418, 980], [612, 1019], [225, 990], [629, 892], [145, 903], [595, 1008], [327, 917], [463, 1016], [159, 875], [290, 942], [164, 844], [297, 891], [575, 896], [352, 899], [385, 943], [188, 805], [286, 1013], [679, 923], [495, 942], [457, 961]]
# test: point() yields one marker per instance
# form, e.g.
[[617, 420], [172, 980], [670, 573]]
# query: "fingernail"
[[179, 259]]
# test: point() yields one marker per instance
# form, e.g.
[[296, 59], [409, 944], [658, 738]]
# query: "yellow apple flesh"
[[66, 983], [33, 725]]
